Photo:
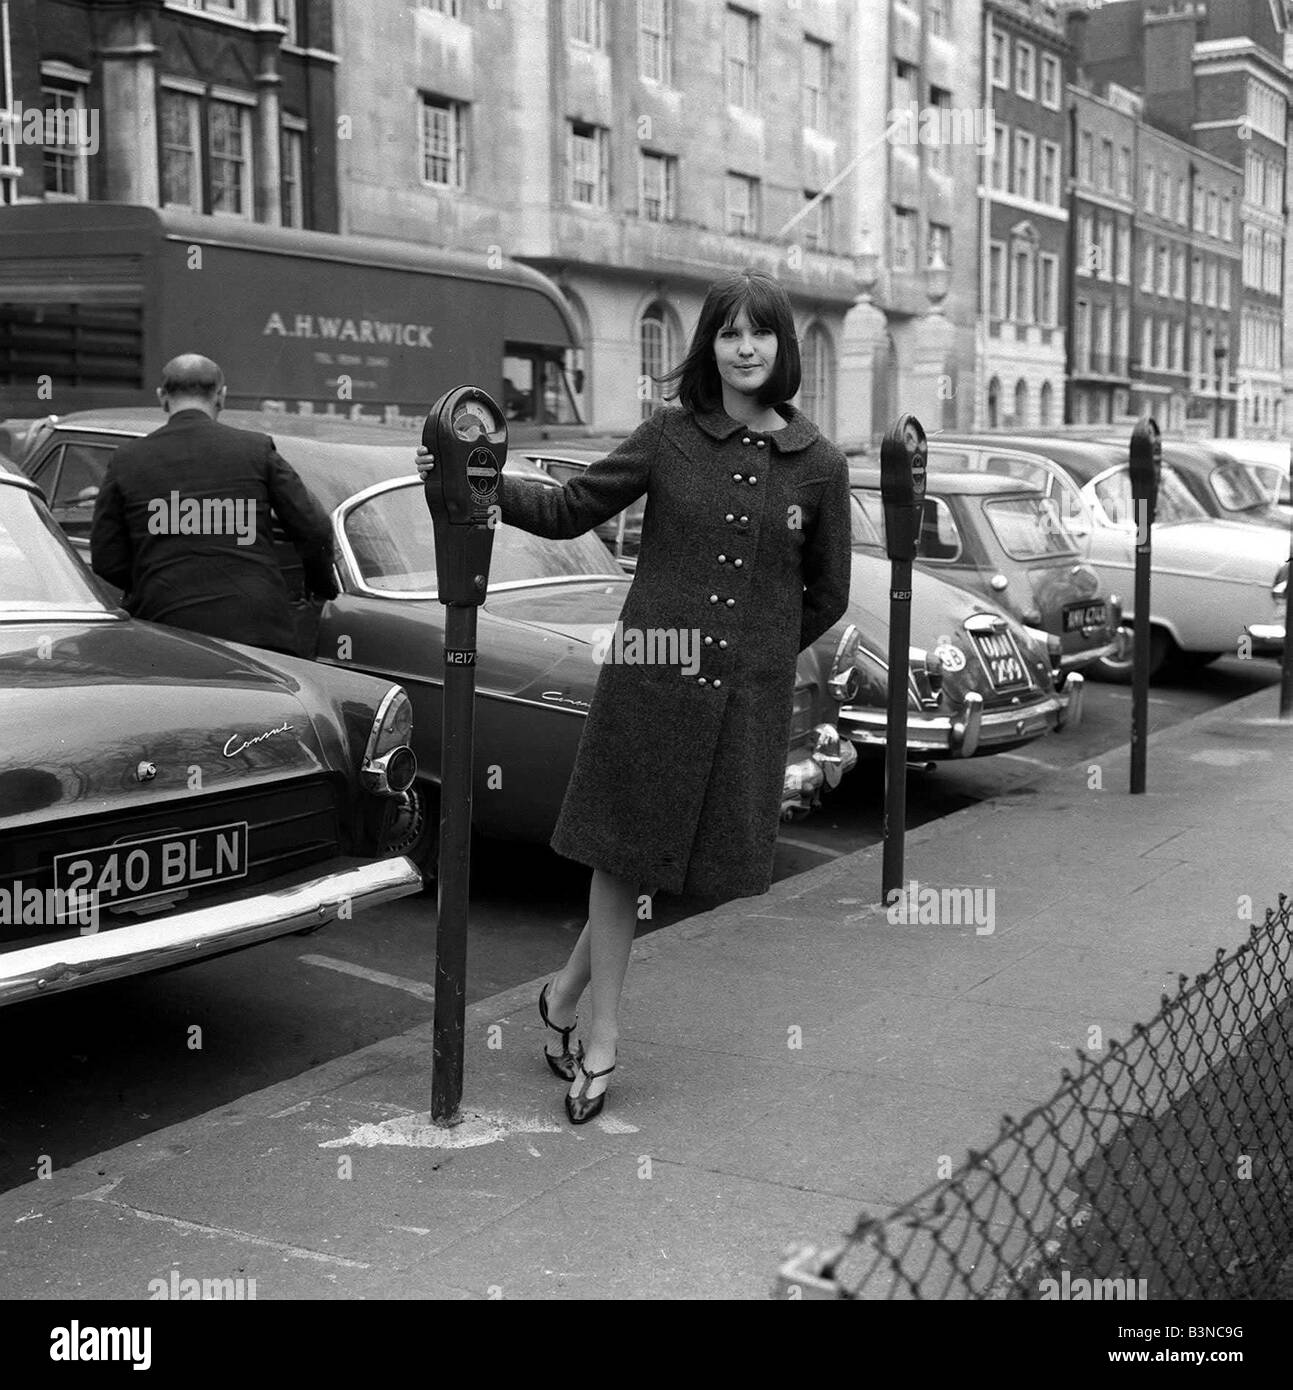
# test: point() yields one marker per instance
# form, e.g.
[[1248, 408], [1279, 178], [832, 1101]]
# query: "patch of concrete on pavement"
[[1229, 757], [418, 1132], [608, 1124]]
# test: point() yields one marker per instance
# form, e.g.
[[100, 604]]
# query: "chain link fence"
[[1161, 1171]]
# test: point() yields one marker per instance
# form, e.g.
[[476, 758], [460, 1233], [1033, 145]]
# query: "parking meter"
[[467, 433], [1146, 465], [903, 456]]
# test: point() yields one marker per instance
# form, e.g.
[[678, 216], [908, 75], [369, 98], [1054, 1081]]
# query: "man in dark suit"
[[182, 522]]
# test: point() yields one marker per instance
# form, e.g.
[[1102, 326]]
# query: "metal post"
[[455, 861], [895, 754], [1140, 655], [1286, 665]]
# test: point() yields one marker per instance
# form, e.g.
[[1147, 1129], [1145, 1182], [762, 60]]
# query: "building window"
[[657, 193], [1165, 197], [1151, 188], [1050, 279], [1214, 219], [1124, 172], [939, 244], [1021, 284], [448, 8], [940, 151], [181, 122], [1178, 347], [586, 22], [655, 41], [1198, 211], [444, 156], [1123, 273], [1106, 165], [1087, 251], [229, 151], [1000, 66], [817, 80], [1044, 405], [1227, 220], [1025, 69], [1086, 157], [1163, 281], [819, 223], [1022, 183], [65, 157], [903, 253], [1021, 401], [904, 87], [815, 398], [938, 17], [655, 355], [1105, 234], [1049, 192], [1196, 279], [1051, 81], [292, 166], [997, 280], [285, 14], [742, 49], [1000, 158], [742, 205], [1147, 343], [1223, 287], [1082, 336], [1183, 202], [1160, 347], [1178, 272], [588, 165]]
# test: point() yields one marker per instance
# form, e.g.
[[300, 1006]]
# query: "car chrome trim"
[[66, 615], [943, 733], [33, 971]]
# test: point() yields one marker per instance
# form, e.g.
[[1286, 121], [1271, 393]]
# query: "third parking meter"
[[903, 456], [1145, 464], [467, 433]]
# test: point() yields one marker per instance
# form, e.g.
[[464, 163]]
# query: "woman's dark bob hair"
[[695, 381]]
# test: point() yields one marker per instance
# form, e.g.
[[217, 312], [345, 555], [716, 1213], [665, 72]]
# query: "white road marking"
[[1123, 695], [376, 977], [417, 1131], [610, 1125], [808, 845]]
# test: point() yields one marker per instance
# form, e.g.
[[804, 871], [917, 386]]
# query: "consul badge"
[[236, 744]]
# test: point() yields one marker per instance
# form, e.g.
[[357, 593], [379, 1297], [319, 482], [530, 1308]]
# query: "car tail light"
[[390, 765], [844, 680]]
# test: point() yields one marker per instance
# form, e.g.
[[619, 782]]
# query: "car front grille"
[[291, 825]]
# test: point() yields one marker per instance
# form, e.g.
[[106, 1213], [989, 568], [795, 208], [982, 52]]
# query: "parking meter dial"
[[903, 456], [1145, 464]]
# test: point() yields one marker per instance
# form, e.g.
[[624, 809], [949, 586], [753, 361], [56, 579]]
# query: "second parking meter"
[[467, 433], [1145, 464], [903, 456]]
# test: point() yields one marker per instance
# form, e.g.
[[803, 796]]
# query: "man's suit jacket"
[[182, 524]]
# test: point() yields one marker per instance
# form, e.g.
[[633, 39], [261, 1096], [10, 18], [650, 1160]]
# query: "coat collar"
[[187, 417], [799, 431]]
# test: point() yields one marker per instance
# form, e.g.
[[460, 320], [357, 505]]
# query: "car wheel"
[[415, 830], [1196, 661], [1118, 667]]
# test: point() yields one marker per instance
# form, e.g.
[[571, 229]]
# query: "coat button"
[[760, 443], [709, 641], [745, 520], [746, 440], [752, 480], [738, 563], [700, 680], [717, 684], [722, 642], [713, 598], [722, 559], [731, 603], [729, 517], [736, 477]]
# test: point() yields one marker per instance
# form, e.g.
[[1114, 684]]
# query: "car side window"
[[939, 537], [79, 480]]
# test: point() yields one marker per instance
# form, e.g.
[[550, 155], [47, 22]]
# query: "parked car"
[[1224, 487], [1269, 461], [549, 608], [978, 695], [1216, 584], [166, 797], [1001, 538]]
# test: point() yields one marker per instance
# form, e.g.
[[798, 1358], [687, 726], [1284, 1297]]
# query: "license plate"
[[1080, 615], [158, 864], [1006, 667]]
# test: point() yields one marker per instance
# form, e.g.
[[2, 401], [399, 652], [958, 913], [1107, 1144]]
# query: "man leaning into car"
[[182, 523]]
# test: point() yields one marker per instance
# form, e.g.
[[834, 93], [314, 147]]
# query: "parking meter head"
[[1145, 462], [904, 455], [467, 433]]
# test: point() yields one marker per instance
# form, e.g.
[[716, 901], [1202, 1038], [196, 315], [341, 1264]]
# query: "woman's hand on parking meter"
[[425, 461]]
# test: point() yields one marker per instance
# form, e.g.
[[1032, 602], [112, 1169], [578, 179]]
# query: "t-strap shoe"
[[563, 1065], [578, 1108]]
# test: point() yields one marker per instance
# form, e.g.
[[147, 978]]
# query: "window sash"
[[443, 153], [181, 171], [741, 59]]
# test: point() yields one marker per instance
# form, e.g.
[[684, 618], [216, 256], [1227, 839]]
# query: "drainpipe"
[[9, 172]]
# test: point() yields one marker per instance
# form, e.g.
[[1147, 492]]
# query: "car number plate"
[[1006, 667], [133, 869], [1080, 615]]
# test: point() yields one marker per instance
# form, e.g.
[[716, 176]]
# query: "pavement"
[[787, 1063]]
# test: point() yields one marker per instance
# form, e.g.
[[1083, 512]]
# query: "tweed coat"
[[746, 544]]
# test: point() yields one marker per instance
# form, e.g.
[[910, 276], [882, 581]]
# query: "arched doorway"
[[657, 352], [1021, 402], [1044, 404], [817, 388], [994, 403]]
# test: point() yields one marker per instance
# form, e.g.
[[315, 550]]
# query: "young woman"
[[745, 560]]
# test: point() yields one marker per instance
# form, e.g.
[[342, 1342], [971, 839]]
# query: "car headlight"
[[390, 765]]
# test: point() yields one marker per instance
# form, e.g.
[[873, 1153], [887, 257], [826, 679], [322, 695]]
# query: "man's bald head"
[[191, 382]]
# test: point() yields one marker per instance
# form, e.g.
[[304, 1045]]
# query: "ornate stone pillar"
[[268, 159], [864, 331], [928, 381], [129, 117]]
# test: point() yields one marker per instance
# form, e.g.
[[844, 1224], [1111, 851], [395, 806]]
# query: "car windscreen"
[[1238, 489], [865, 533], [1175, 501], [39, 573], [393, 542], [1029, 528]]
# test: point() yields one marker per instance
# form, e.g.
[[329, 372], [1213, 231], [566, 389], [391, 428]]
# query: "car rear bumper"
[[1267, 638], [972, 730], [309, 900]]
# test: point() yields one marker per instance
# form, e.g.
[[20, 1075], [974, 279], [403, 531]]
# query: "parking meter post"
[[1145, 462], [467, 433], [903, 455], [1286, 665]]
